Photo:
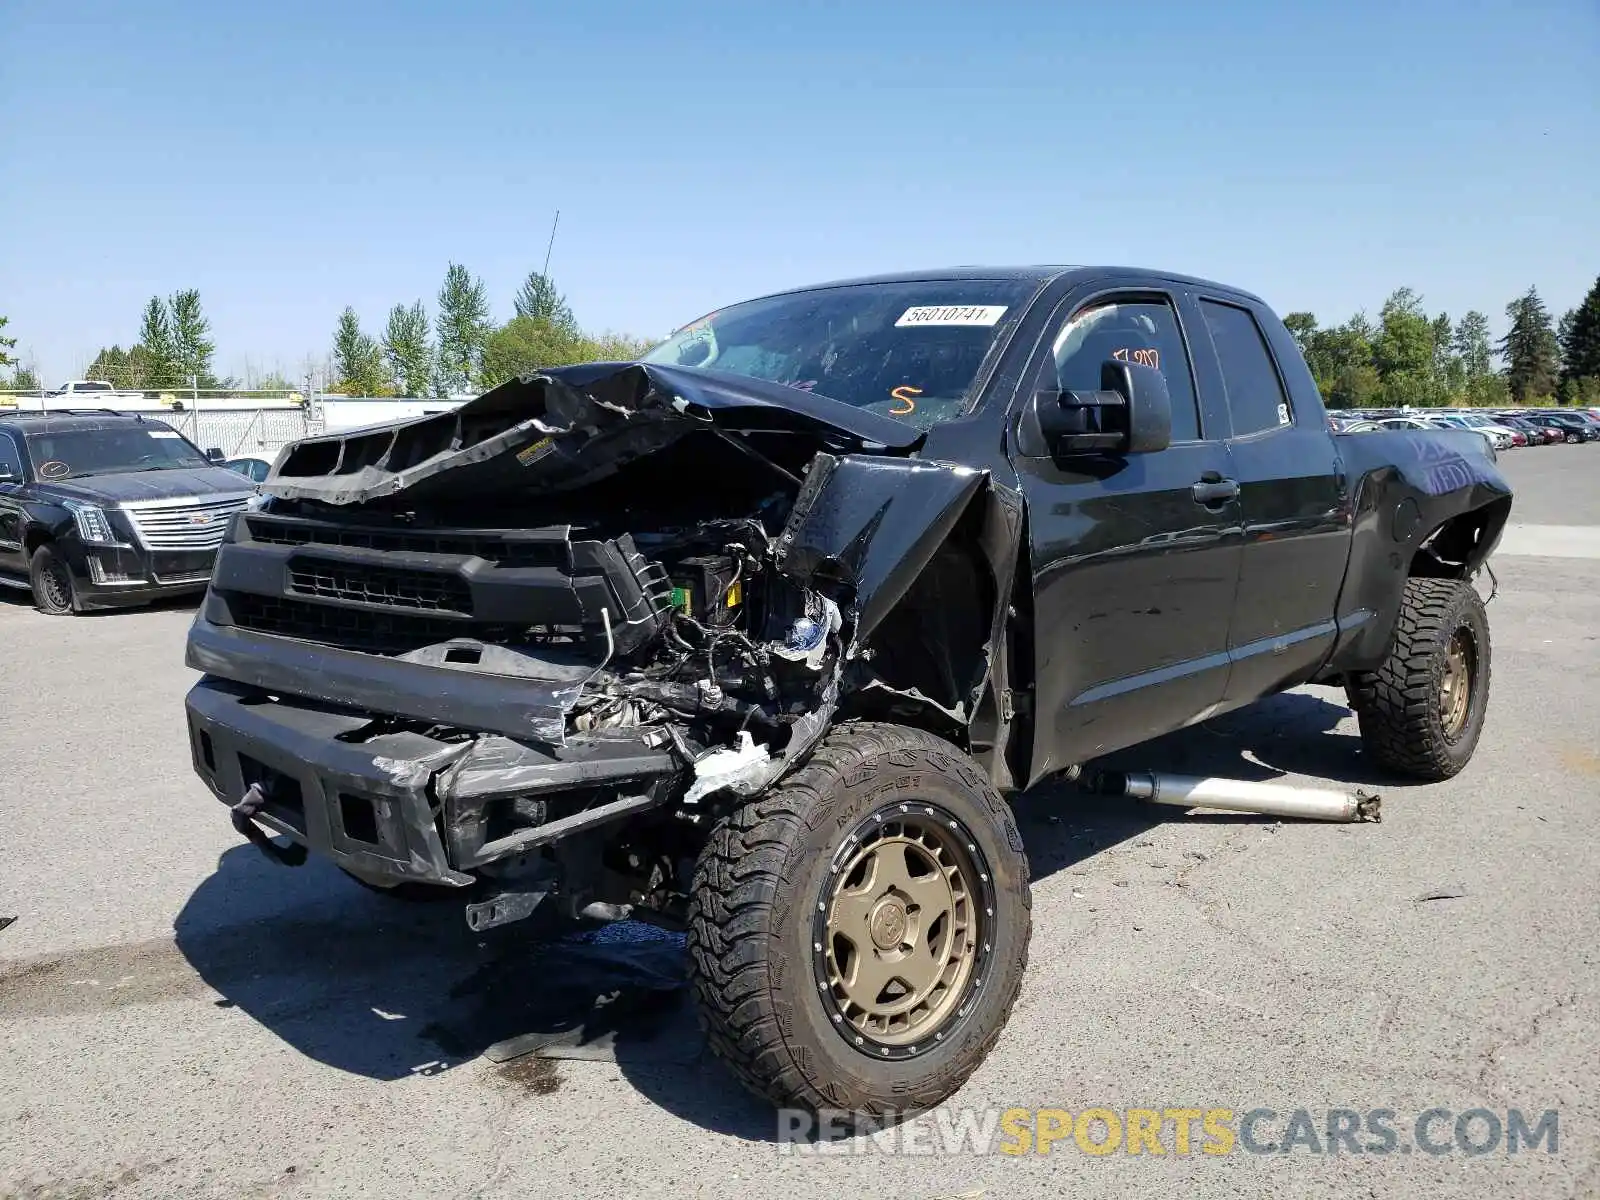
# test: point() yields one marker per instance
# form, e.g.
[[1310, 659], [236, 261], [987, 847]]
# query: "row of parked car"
[[1503, 429]]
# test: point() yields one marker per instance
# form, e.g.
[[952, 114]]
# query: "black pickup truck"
[[753, 636], [100, 509]]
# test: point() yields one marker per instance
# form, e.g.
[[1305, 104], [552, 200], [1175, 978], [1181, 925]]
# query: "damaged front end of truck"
[[530, 648]]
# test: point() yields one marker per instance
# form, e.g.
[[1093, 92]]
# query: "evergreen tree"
[[1449, 374], [1473, 351], [538, 299], [1471, 345], [192, 348], [357, 361], [408, 351], [159, 351], [1580, 347], [463, 328], [1529, 348]]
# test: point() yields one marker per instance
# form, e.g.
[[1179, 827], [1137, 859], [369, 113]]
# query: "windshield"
[[141, 446], [911, 351]]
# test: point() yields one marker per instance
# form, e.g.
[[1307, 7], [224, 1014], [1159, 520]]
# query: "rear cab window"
[[1257, 400]]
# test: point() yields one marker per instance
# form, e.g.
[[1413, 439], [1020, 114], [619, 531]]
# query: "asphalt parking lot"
[[179, 1017]]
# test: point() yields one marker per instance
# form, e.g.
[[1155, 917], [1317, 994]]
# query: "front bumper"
[[117, 576], [406, 806]]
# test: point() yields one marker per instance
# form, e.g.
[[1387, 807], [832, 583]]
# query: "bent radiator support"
[[1239, 795]]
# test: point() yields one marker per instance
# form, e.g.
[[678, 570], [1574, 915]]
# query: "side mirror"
[[1130, 414], [1148, 404], [215, 454], [7, 474]]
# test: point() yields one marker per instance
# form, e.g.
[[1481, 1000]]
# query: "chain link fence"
[[260, 431]]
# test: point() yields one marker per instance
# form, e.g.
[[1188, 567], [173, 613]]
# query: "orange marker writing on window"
[[904, 394]]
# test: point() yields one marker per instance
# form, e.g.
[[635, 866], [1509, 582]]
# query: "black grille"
[[392, 587], [374, 632], [506, 551]]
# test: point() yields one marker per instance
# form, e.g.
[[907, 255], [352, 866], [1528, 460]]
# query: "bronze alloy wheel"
[[1455, 687], [901, 932]]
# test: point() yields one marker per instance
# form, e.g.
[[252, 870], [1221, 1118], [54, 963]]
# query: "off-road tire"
[[761, 877], [1399, 706], [53, 593]]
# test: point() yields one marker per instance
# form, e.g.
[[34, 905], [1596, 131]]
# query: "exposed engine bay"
[[574, 606]]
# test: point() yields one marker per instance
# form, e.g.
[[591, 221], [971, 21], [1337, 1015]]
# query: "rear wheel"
[[1422, 711], [858, 935], [53, 592]]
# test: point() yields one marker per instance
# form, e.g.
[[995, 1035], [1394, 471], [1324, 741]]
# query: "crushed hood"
[[562, 429]]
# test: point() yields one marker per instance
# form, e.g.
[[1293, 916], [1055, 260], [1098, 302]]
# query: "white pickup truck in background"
[[94, 389]]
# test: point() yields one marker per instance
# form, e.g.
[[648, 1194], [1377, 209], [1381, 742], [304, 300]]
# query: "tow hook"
[[243, 813]]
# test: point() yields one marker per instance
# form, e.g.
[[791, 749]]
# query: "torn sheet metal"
[[559, 430], [501, 766], [869, 525]]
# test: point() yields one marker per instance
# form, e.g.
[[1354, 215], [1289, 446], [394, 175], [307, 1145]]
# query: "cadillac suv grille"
[[191, 525]]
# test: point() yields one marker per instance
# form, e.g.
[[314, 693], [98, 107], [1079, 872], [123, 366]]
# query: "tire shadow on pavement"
[[385, 989], [377, 987]]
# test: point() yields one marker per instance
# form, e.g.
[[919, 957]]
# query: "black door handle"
[[1215, 491]]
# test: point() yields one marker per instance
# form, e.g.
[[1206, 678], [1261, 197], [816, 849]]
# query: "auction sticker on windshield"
[[953, 314]]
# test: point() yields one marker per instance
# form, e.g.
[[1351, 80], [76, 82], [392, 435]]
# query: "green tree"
[[1480, 384], [1579, 337], [114, 365], [1529, 348], [25, 380], [1402, 352], [1471, 345], [1302, 327], [538, 298], [463, 328], [408, 351], [356, 359], [191, 344], [1340, 359], [1355, 386], [159, 349], [525, 344], [1449, 373], [615, 347], [6, 344]]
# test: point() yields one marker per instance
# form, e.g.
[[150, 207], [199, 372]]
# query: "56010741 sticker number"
[[952, 314]]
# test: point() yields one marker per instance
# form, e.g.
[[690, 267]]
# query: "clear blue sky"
[[289, 158]]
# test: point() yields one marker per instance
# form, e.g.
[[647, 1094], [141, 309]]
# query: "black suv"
[[100, 509]]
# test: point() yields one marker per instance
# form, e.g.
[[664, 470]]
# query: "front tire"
[[1422, 711], [858, 935], [53, 591]]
